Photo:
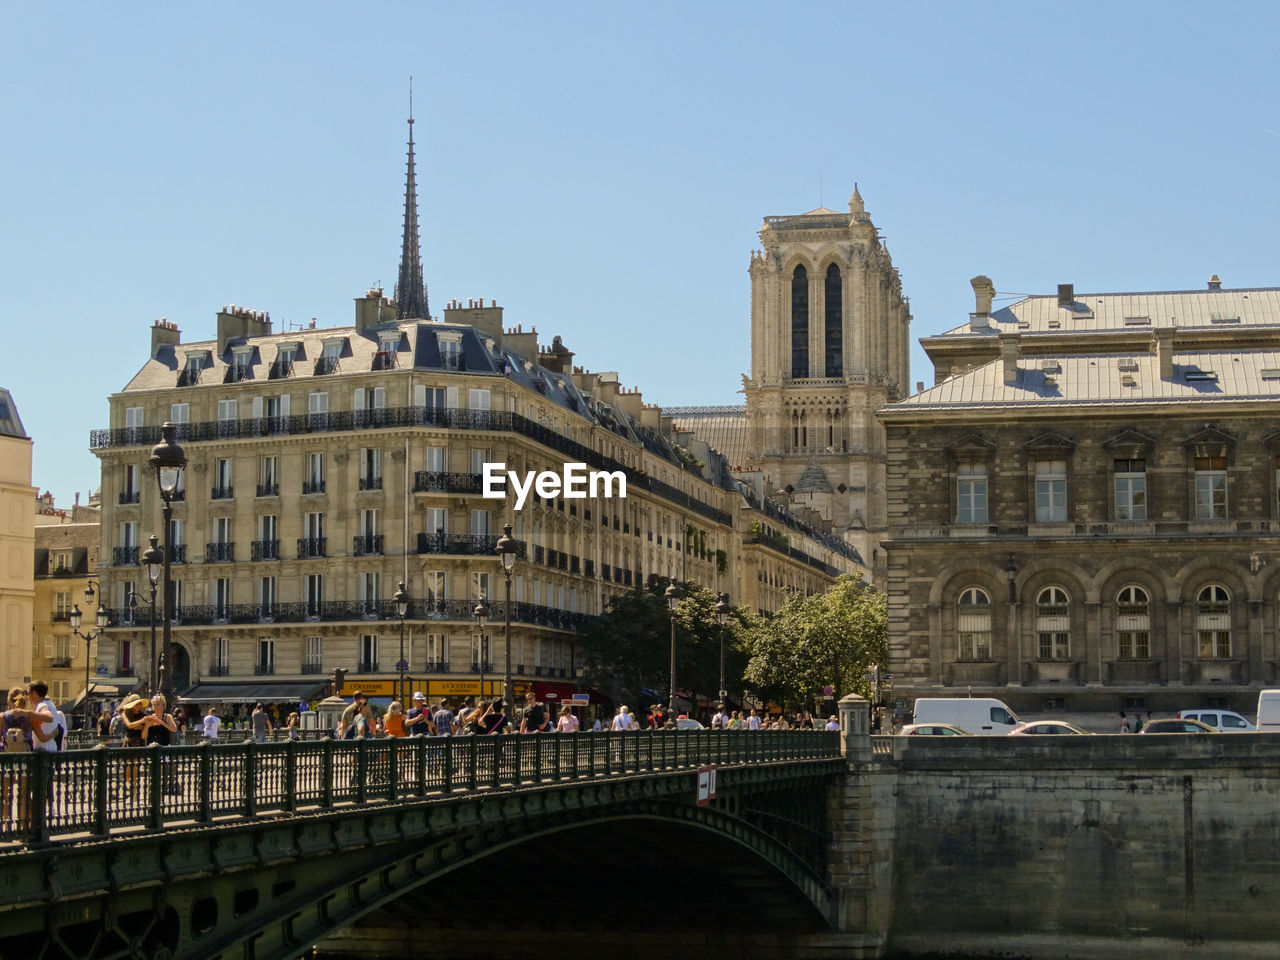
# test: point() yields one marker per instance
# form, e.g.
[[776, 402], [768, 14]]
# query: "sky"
[[601, 169]]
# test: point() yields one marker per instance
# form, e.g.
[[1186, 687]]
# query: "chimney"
[[1066, 294], [1009, 356], [919, 386], [164, 334], [1215, 283], [373, 310], [1162, 340], [983, 291]]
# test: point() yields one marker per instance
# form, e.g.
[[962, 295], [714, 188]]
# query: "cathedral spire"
[[411, 290]]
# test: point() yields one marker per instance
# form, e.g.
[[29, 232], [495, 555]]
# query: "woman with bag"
[[15, 725]]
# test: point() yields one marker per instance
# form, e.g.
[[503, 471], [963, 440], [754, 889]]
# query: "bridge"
[[263, 851]]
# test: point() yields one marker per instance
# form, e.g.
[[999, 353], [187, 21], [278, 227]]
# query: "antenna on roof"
[[411, 99]]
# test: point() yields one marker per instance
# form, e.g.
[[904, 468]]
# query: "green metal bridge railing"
[[82, 794]]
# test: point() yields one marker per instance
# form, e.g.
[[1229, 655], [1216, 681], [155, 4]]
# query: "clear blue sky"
[[601, 169]]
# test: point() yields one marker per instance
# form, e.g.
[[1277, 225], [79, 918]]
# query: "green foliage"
[[830, 638], [628, 648]]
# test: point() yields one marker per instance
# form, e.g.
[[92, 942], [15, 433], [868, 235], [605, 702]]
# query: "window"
[[369, 653], [1051, 491], [479, 457], [800, 322], [222, 488], [479, 585], [266, 656], [433, 582], [366, 403], [221, 530], [220, 594], [180, 413], [266, 597], [314, 595], [133, 417], [1053, 624], [437, 460], [1133, 624], [1277, 496], [226, 410], [129, 493], [437, 521], [1211, 488], [437, 649], [221, 656], [480, 523], [267, 528], [370, 593], [451, 352], [1131, 489], [313, 526], [368, 523], [313, 479], [268, 476], [971, 493], [480, 648], [833, 296], [312, 655], [1213, 623], [973, 624], [478, 399], [124, 658], [177, 534], [61, 606], [370, 469], [318, 410]]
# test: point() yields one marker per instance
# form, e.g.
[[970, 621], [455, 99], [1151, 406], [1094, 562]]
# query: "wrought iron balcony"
[[178, 553], [477, 667], [384, 360], [124, 670], [129, 496], [370, 483], [264, 550], [222, 492], [312, 486], [264, 669], [367, 545], [219, 552], [367, 666], [312, 547], [59, 662], [457, 544], [280, 369], [220, 668], [269, 489], [428, 481], [312, 667], [124, 556], [326, 365]]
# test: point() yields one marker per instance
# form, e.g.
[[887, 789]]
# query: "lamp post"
[[402, 608], [168, 461], [506, 548], [88, 638], [481, 613], [673, 594], [153, 560], [722, 615]]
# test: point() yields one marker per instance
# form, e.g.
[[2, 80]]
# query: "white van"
[[1268, 711], [978, 715], [1224, 721]]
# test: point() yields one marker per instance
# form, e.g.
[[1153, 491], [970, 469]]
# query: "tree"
[[831, 638], [628, 649]]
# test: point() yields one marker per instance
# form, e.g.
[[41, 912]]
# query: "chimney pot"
[[1066, 294], [1009, 349]]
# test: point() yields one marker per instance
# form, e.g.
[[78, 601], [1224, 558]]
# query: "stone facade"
[[17, 541], [65, 556]]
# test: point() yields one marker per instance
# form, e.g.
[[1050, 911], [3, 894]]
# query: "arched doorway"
[[181, 669]]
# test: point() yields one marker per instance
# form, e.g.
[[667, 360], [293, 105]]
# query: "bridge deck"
[[86, 794]]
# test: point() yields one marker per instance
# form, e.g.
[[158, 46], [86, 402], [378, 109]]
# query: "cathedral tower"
[[829, 345]]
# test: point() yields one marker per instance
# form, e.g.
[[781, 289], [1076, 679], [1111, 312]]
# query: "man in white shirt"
[[211, 724], [624, 720], [44, 722], [753, 721], [718, 721], [833, 723]]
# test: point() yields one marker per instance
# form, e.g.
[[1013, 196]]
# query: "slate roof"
[[10, 424], [723, 428], [1259, 306], [813, 480], [1107, 379]]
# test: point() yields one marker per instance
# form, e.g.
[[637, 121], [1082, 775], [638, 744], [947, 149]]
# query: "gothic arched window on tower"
[[833, 314], [800, 322]]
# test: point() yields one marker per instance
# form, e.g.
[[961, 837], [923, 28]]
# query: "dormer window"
[[191, 371], [241, 363], [283, 365], [388, 347], [451, 350], [328, 361]]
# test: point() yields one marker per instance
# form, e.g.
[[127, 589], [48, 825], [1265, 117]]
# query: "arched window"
[[1053, 624], [1133, 624], [800, 322], [973, 624], [1213, 623], [834, 318]]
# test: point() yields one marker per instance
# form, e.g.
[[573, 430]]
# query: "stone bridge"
[[265, 851]]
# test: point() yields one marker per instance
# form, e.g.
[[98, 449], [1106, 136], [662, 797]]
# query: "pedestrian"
[[116, 729], [444, 720], [44, 718], [535, 715], [160, 727], [133, 712], [833, 723], [347, 724], [567, 723], [719, 720], [260, 722], [15, 727], [496, 720], [735, 721], [1137, 723], [211, 724], [291, 727], [418, 722], [395, 720], [1124, 722], [597, 727], [104, 725], [624, 720], [753, 720], [463, 719]]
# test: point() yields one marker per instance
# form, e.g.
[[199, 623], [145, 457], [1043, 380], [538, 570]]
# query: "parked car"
[[933, 730], [979, 715], [1177, 725], [1048, 727], [1224, 721]]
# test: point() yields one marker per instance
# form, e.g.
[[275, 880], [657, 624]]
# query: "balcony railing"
[[477, 667], [178, 553], [367, 545], [264, 550], [60, 662], [311, 667], [391, 417], [367, 666], [312, 547], [384, 360], [129, 496], [269, 489], [370, 483], [220, 668], [312, 486], [326, 365], [219, 552], [124, 670], [264, 669], [280, 369], [124, 556], [428, 481], [222, 492], [457, 544], [436, 666]]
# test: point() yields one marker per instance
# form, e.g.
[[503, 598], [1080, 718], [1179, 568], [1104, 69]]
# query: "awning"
[[559, 693], [102, 690], [282, 691]]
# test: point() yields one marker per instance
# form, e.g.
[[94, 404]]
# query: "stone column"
[[855, 728], [1093, 640]]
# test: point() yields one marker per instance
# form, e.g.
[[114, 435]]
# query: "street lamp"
[[168, 461], [153, 560], [402, 608], [673, 594], [506, 548], [88, 638], [481, 613], [722, 615]]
